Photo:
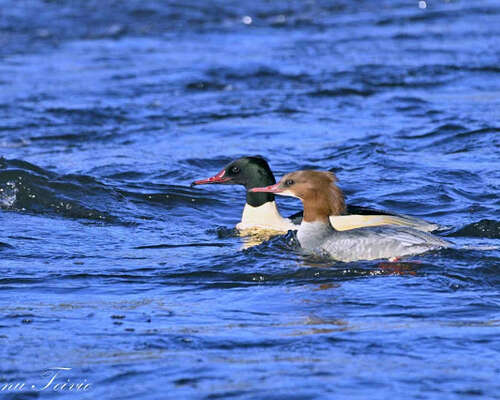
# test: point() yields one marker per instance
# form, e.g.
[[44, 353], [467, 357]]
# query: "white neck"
[[312, 234], [265, 216]]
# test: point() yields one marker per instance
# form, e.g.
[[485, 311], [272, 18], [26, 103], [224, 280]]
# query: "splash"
[[8, 194]]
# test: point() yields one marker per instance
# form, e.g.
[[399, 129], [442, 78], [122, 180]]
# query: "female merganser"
[[321, 199], [261, 212]]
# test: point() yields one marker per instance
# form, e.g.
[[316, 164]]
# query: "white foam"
[[482, 248], [8, 195]]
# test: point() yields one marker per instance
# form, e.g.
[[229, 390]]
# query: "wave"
[[486, 228], [451, 131], [25, 187], [28, 188], [340, 92]]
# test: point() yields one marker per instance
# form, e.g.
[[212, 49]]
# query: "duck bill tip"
[[219, 178], [267, 189]]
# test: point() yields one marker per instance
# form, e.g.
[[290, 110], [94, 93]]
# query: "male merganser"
[[321, 199], [260, 210]]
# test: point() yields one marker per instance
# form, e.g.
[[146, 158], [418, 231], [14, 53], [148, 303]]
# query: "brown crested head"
[[317, 190]]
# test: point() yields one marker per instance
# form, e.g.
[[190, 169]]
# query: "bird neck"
[[320, 204], [257, 199]]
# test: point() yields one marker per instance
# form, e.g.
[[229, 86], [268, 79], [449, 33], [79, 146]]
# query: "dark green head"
[[249, 172]]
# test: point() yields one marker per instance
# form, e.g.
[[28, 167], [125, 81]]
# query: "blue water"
[[112, 266]]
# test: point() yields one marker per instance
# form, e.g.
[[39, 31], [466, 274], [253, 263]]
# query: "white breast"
[[265, 216]]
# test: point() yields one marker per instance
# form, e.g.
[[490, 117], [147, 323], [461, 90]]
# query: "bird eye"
[[235, 170], [289, 182]]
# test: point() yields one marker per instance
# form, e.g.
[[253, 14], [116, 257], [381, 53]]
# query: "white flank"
[[347, 222]]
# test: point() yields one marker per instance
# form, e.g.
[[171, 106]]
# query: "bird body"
[[322, 199], [260, 210]]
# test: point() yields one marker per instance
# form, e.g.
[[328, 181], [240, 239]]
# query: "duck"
[[261, 212], [321, 199]]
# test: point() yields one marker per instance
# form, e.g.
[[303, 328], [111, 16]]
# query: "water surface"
[[111, 265]]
